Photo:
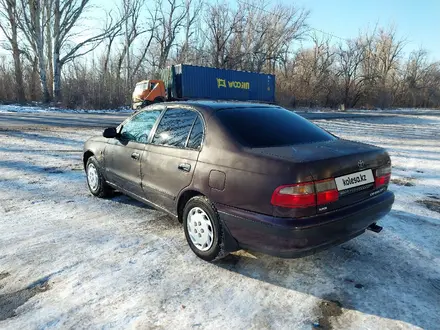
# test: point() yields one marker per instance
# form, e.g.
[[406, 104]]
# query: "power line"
[[279, 15], [330, 34]]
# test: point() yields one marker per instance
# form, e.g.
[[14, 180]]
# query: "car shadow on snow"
[[28, 167], [37, 136], [372, 274], [124, 199]]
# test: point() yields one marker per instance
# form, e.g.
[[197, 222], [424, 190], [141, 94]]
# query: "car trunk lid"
[[351, 164]]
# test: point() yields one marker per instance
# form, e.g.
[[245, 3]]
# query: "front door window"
[[138, 127]]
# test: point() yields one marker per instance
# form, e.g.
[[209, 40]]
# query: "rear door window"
[[270, 127], [196, 136], [174, 128]]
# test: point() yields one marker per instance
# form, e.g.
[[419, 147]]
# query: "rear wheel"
[[95, 179], [203, 230]]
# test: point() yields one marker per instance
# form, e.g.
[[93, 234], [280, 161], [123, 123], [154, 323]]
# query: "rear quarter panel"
[[250, 180]]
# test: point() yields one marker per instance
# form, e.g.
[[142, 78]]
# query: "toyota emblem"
[[361, 164]]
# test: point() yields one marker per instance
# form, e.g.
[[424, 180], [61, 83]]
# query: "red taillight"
[[382, 180], [326, 191], [307, 194], [294, 196], [326, 197], [383, 176]]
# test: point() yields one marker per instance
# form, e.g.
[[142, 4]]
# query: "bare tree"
[[268, 34], [132, 29], [67, 14], [171, 19], [314, 71], [381, 62], [420, 80], [48, 44], [32, 25], [48, 26], [111, 38], [192, 13], [389, 49], [222, 23], [252, 37], [349, 58], [151, 24], [9, 15], [48, 16]]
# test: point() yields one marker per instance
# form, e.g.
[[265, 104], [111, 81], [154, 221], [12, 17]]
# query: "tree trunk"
[[35, 13], [49, 45], [42, 71], [12, 16], [21, 97], [56, 62], [34, 80], [43, 79], [57, 80]]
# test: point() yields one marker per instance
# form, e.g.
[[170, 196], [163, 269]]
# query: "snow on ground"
[[70, 260], [39, 109]]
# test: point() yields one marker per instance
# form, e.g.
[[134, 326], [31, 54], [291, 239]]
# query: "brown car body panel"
[[240, 182], [162, 178]]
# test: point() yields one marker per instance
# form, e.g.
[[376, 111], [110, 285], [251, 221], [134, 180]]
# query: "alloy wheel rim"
[[200, 229], [92, 177]]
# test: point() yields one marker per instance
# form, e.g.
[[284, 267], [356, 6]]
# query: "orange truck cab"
[[148, 92]]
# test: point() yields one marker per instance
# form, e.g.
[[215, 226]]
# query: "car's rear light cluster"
[[382, 176], [306, 194], [326, 191]]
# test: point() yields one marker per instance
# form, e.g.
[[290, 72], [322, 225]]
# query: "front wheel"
[[203, 230], [95, 179]]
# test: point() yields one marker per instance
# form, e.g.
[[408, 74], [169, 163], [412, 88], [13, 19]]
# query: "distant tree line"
[[53, 55]]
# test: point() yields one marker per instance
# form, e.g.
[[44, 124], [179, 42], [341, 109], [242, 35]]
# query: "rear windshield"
[[270, 127]]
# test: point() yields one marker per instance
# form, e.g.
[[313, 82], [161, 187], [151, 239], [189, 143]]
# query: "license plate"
[[354, 180]]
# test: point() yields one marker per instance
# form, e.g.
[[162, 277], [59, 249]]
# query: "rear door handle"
[[135, 155], [184, 167]]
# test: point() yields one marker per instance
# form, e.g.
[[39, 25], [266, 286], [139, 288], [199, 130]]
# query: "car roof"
[[218, 105]]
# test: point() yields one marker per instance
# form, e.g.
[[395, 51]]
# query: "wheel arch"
[[86, 157], [184, 197], [230, 244]]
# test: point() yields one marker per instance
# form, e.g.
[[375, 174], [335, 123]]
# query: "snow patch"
[[115, 263], [39, 109]]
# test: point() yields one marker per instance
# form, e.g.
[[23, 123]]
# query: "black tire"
[[98, 188], [216, 251]]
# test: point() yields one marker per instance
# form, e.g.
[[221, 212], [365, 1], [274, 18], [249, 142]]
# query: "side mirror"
[[110, 132]]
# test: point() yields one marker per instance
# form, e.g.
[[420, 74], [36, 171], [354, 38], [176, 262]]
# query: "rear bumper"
[[291, 238]]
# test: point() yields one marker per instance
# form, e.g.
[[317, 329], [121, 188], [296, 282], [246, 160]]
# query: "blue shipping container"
[[197, 82]]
